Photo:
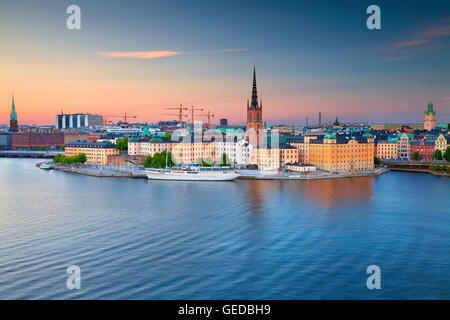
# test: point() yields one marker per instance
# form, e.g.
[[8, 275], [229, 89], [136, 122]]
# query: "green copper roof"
[[13, 116], [156, 139], [330, 135], [430, 108]]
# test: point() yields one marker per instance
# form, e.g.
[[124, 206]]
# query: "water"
[[136, 239]]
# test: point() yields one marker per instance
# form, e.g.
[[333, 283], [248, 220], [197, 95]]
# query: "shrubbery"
[[79, 158], [159, 160]]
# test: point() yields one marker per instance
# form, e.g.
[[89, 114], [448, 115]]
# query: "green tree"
[[43, 148], [167, 135], [225, 161], [437, 155], [415, 156], [122, 144], [148, 161], [376, 160], [58, 158], [447, 154]]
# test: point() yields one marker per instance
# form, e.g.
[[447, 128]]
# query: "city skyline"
[[142, 57]]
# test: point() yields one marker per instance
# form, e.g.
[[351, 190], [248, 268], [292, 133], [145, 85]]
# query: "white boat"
[[193, 173], [46, 166]]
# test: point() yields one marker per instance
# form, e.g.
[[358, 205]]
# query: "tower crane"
[[180, 114], [124, 117], [209, 115]]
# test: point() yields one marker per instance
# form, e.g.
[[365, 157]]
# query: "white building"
[[239, 152], [403, 146]]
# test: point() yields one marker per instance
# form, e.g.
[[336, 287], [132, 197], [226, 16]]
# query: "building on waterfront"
[[254, 110], [13, 125], [238, 151], [404, 148], [148, 146], [5, 140], [342, 153], [96, 152], [387, 149], [441, 143], [429, 121], [269, 157], [35, 140], [78, 120], [425, 147]]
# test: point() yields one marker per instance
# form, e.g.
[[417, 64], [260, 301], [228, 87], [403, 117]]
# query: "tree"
[[415, 156], [58, 158], [225, 161], [437, 155], [376, 160], [43, 148], [167, 135], [122, 144], [148, 161], [447, 154]]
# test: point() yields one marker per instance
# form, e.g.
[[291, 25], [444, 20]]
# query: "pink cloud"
[[157, 54], [139, 54], [446, 98], [412, 43]]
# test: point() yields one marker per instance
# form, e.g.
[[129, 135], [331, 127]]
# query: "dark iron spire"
[[254, 103]]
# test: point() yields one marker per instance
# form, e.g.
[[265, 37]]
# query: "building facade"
[[441, 143], [35, 140], [387, 150], [343, 154], [78, 120], [425, 148], [404, 149], [96, 152]]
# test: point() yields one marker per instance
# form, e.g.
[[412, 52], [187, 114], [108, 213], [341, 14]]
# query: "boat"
[[46, 166], [193, 173]]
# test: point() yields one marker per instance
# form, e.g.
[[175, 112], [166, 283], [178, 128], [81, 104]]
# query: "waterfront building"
[[387, 150], [148, 145], [425, 147], [5, 140], [302, 144], [96, 152], [35, 140], [13, 126], [441, 143], [238, 151], [78, 120], [342, 153], [254, 112], [429, 121], [404, 149], [269, 157]]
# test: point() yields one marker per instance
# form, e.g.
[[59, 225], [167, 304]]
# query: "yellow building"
[[302, 145], [269, 158], [96, 152], [387, 149], [342, 155], [441, 143]]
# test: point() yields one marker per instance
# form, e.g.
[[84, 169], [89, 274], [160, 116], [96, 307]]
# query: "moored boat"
[[193, 173]]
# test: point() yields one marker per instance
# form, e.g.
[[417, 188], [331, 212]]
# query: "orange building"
[[343, 154]]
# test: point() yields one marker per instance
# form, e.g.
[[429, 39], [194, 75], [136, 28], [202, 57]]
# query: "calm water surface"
[[136, 239]]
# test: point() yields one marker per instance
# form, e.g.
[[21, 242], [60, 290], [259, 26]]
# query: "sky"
[[140, 57]]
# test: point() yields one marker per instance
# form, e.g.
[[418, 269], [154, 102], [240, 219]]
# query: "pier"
[[29, 154]]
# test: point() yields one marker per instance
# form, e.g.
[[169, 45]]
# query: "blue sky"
[[310, 56]]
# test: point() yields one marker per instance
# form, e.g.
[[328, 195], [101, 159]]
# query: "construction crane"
[[209, 115], [124, 117], [180, 114], [192, 109]]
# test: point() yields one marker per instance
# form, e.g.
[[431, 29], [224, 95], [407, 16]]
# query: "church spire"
[[13, 115], [254, 102]]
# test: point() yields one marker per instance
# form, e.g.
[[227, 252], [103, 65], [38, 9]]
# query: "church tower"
[[429, 121], [254, 109], [13, 118]]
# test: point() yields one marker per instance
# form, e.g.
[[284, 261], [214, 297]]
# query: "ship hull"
[[191, 175]]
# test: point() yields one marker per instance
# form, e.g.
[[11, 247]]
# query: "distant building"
[[404, 148], [441, 143], [5, 140], [78, 120], [223, 122], [75, 136], [429, 121], [13, 127], [425, 148], [96, 152], [34, 140]]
